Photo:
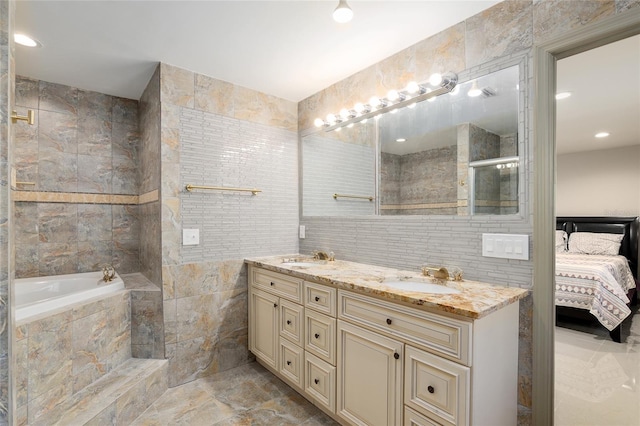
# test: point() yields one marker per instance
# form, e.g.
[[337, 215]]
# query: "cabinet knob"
[[389, 321], [271, 283], [288, 362], [317, 336], [431, 389], [396, 355], [288, 322], [275, 305], [317, 299], [316, 381]]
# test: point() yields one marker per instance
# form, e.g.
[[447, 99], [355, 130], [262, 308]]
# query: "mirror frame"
[[521, 59]]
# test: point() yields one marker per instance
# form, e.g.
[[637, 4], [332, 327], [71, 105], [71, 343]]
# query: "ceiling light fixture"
[[25, 40], [602, 135], [343, 13], [400, 140], [562, 95], [395, 100]]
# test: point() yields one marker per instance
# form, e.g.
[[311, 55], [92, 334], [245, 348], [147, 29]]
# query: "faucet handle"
[[439, 273], [108, 273]]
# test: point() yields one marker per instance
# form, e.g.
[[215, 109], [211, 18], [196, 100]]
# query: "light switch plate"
[[303, 231], [190, 237], [505, 246]]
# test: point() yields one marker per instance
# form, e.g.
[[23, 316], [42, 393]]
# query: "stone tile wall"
[[236, 137], [7, 395], [56, 355], [82, 142], [497, 33]]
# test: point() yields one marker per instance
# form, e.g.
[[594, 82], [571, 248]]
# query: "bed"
[[591, 280]]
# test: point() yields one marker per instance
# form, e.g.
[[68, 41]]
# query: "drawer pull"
[[317, 299], [272, 283], [396, 355], [288, 362], [431, 389], [317, 336], [316, 381], [275, 305], [389, 321], [288, 322]]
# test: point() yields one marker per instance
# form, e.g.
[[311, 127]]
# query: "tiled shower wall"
[[495, 34], [82, 142], [215, 133], [7, 395]]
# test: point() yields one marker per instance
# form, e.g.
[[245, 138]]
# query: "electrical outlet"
[[190, 237]]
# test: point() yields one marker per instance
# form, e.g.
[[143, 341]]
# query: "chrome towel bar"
[[364, 197], [191, 187]]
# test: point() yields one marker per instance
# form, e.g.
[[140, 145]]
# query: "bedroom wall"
[[599, 183]]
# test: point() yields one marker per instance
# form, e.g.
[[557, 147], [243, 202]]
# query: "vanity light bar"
[[394, 100]]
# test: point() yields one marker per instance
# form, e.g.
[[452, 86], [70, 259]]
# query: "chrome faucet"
[[323, 255], [108, 273]]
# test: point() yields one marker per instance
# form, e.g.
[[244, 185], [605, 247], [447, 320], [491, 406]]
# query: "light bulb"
[[393, 95], [400, 140], [331, 119], [350, 125], [344, 113], [435, 79], [25, 40], [474, 92], [365, 121], [338, 129], [393, 111], [359, 108], [343, 13], [411, 106], [375, 102], [318, 122], [413, 87], [563, 95], [602, 135]]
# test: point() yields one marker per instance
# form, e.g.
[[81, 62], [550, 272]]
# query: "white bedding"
[[596, 283]]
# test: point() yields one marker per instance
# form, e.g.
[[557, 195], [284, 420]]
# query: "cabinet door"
[[369, 377], [320, 335], [263, 310], [291, 363]]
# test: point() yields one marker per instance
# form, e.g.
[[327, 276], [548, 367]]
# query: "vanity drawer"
[[320, 381], [320, 335], [412, 418], [278, 284], [320, 297], [445, 336], [437, 387], [292, 363], [292, 322]]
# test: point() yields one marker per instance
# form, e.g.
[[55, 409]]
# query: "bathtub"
[[38, 295]]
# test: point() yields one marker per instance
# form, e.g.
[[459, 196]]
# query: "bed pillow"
[[595, 243], [561, 241]]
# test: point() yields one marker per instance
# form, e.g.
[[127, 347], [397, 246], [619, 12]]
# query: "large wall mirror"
[[454, 154]]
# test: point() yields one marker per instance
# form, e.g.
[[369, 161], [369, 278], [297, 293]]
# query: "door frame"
[[546, 55]]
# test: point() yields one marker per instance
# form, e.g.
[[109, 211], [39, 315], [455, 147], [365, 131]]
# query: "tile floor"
[[247, 395], [597, 381]]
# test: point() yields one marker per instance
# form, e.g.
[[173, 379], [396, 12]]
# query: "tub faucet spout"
[[108, 273]]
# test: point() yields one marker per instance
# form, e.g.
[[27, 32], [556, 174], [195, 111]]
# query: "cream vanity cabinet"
[[370, 361]]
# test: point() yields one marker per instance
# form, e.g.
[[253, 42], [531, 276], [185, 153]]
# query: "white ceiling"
[[605, 86], [290, 49]]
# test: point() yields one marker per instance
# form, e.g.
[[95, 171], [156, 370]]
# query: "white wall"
[[599, 183]]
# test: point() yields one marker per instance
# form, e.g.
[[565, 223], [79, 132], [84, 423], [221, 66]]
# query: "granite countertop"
[[475, 300]]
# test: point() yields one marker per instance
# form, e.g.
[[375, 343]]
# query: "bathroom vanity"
[[367, 351]]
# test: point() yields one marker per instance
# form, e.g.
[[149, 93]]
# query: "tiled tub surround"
[[470, 339], [60, 353], [86, 143]]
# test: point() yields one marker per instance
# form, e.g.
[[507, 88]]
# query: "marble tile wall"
[[7, 73], [149, 156], [497, 33], [205, 287], [84, 142], [56, 355]]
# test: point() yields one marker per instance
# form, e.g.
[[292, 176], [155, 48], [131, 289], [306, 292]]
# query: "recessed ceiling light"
[[25, 40], [602, 135], [562, 95], [401, 140]]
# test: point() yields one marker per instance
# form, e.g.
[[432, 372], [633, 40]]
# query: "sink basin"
[[421, 287]]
